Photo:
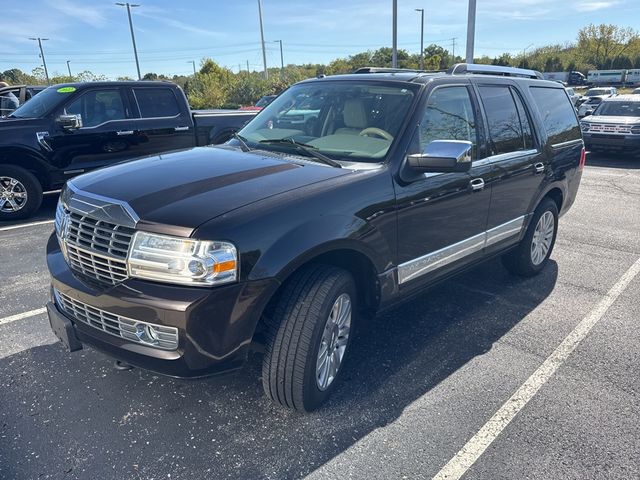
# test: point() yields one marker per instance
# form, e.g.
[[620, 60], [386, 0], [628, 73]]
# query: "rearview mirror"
[[442, 156], [70, 122]]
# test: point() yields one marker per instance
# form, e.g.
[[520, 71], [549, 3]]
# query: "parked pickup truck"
[[73, 128], [293, 238], [15, 95]]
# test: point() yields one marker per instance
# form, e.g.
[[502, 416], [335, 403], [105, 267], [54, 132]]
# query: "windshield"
[[598, 91], [619, 109], [343, 120], [43, 102]]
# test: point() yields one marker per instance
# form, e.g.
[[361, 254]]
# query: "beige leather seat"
[[354, 117]]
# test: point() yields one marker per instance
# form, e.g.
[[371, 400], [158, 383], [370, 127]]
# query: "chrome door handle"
[[181, 129], [476, 184], [539, 167], [124, 132]]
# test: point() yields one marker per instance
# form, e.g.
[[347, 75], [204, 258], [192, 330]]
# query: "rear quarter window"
[[558, 116]]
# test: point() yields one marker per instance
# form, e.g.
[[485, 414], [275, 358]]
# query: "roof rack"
[[392, 70], [474, 68]]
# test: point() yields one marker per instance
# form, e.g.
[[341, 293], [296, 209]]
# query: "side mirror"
[[442, 156], [70, 122]]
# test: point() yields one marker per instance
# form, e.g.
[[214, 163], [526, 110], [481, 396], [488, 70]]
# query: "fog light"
[[147, 333]]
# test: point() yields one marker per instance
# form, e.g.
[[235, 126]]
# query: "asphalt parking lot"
[[421, 382]]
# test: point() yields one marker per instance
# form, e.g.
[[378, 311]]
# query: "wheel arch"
[[337, 254], [29, 160]]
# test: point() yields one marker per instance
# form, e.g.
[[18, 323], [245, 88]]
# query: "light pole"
[[421, 10], [264, 50], [69, 69], [44, 62], [193, 62], [394, 48], [281, 57], [524, 53], [133, 37], [471, 30]]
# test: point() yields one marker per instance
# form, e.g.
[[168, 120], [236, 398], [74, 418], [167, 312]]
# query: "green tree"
[[601, 44]]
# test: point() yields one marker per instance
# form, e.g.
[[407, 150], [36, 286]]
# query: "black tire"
[[31, 186], [519, 260], [294, 335]]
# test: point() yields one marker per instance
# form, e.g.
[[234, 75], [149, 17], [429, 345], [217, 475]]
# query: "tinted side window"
[[448, 115], [505, 129], [156, 102], [557, 114], [98, 106], [527, 132]]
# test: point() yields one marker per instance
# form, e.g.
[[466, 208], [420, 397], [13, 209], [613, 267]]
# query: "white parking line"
[[20, 316], [475, 447], [33, 224]]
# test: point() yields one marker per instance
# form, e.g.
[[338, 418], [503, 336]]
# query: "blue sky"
[[94, 34]]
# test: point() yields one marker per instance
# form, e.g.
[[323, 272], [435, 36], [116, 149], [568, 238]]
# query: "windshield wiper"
[[243, 142], [304, 147]]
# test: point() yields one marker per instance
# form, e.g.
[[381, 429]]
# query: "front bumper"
[[215, 325], [613, 141]]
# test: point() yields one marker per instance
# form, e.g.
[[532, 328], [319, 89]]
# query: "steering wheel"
[[378, 132]]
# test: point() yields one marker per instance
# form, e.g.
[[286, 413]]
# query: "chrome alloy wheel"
[[334, 342], [13, 195], [542, 238]]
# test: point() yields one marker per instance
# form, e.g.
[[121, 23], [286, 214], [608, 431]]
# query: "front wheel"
[[309, 333], [533, 252], [20, 193]]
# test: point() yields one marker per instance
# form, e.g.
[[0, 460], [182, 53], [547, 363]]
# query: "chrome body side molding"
[[440, 258]]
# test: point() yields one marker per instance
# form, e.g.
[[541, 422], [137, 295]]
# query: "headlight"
[[585, 126], [182, 260]]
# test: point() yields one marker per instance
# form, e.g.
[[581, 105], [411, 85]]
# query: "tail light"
[[583, 158]]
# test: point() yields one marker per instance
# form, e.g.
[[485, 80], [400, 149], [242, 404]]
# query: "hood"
[[185, 189], [6, 122], [613, 120]]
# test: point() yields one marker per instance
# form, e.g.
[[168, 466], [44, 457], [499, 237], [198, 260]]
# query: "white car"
[[573, 96], [594, 96], [614, 125]]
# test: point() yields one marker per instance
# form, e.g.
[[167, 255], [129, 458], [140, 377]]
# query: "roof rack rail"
[[392, 70], [475, 68]]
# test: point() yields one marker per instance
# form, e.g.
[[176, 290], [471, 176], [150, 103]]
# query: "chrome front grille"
[[97, 248], [165, 338]]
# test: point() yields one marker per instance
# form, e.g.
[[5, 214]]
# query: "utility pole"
[[394, 48], [264, 50], [471, 30], [281, 58], [133, 37], [248, 71], [69, 69], [421, 10], [453, 51], [193, 62], [44, 62]]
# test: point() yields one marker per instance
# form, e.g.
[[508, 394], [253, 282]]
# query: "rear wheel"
[[533, 252], [309, 333], [20, 193]]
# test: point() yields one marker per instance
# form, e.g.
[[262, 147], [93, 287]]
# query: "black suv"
[[292, 237]]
